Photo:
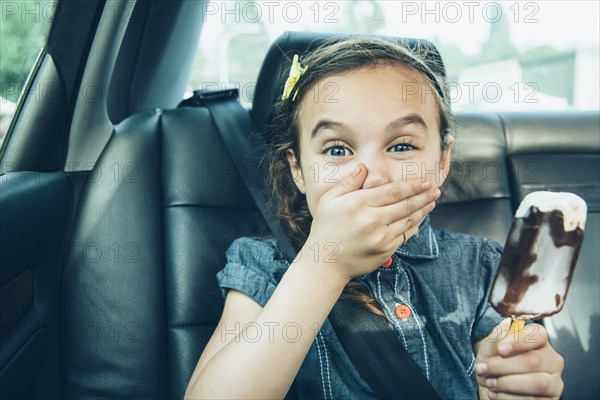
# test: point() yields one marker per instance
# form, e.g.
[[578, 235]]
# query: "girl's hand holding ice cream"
[[519, 365]]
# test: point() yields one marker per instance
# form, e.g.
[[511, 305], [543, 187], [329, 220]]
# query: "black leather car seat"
[[139, 295]]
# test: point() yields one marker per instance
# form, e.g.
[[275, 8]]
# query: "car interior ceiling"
[[128, 302]]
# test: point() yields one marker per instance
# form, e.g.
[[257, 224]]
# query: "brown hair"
[[337, 56]]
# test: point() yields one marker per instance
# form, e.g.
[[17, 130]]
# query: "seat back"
[[476, 199], [139, 295]]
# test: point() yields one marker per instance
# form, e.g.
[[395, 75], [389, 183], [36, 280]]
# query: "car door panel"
[[33, 220]]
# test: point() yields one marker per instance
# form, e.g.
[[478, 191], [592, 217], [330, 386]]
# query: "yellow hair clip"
[[296, 72]]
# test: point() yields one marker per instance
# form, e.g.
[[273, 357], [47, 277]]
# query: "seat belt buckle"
[[202, 96]]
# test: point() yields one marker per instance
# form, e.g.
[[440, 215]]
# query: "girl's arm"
[[264, 358]]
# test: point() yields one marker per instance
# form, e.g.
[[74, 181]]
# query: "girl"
[[361, 146]]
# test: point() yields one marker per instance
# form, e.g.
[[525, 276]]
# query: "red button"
[[403, 311], [387, 264]]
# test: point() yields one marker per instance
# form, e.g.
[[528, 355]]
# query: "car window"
[[23, 29], [500, 56]]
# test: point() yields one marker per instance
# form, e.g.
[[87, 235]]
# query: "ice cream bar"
[[539, 256]]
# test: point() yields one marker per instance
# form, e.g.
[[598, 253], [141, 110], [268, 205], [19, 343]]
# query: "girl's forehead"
[[369, 95], [386, 70]]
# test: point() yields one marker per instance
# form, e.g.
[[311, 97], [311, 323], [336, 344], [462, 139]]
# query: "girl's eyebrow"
[[327, 124], [410, 119]]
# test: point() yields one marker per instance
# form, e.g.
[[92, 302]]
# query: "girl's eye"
[[337, 150], [401, 147]]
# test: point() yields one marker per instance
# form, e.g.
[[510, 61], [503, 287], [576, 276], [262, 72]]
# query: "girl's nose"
[[377, 173]]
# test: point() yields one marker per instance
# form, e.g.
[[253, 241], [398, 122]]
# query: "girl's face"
[[385, 117]]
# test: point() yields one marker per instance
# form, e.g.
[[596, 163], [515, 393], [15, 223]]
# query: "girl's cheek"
[[420, 172], [328, 173]]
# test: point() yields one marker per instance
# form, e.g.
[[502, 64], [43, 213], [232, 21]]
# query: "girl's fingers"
[[533, 336], [509, 396], [410, 233], [539, 384], [405, 208], [392, 193], [347, 184], [540, 360], [407, 227]]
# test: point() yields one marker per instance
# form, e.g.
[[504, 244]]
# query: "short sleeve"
[[254, 267], [486, 318]]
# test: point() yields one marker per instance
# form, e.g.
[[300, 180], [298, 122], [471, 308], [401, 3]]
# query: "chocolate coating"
[[522, 251]]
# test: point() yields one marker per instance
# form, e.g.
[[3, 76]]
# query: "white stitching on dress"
[[431, 247], [470, 369], [321, 365], [380, 298], [327, 363], [421, 332], [411, 309], [471, 328]]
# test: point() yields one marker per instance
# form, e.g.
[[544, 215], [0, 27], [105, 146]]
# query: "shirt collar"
[[424, 246]]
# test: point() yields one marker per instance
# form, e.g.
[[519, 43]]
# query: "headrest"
[[275, 68]]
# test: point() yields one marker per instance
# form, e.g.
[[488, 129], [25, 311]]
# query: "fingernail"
[[356, 170], [491, 395], [505, 349], [491, 382], [481, 368]]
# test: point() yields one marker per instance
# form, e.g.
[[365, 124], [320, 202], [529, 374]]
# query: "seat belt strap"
[[378, 354], [247, 150], [373, 347]]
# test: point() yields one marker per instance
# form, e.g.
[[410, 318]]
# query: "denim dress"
[[434, 295]]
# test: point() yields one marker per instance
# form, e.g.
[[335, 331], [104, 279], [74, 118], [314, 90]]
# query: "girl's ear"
[[295, 170], [446, 159]]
